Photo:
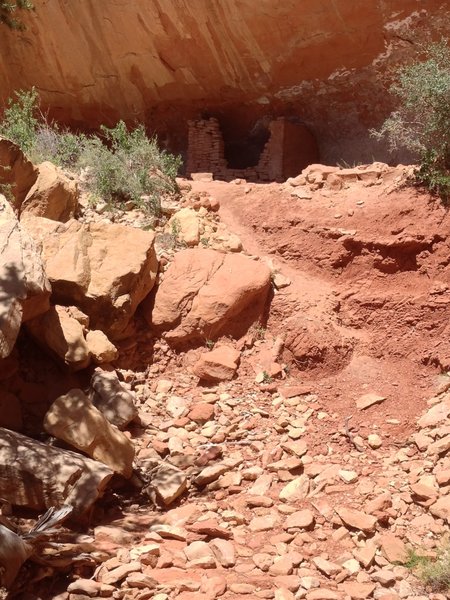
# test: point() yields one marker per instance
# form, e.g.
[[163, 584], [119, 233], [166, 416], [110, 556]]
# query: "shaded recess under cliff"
[[165, 63]]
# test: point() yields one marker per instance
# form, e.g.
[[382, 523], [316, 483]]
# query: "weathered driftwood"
[[16, 549], [38, 476]]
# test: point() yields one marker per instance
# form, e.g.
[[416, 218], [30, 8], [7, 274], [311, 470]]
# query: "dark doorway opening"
[[243, 149]]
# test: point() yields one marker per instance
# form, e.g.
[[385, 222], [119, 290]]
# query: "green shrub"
[[8, 11], [421, 123], [20, 119], [118, 165]]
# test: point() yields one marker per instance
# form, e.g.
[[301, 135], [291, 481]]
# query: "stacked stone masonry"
[[290, 148]]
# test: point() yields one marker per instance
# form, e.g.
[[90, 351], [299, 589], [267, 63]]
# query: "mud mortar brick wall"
[[205, 147], [290, 148]]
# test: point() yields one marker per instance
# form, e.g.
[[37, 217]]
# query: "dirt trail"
[[370, 264]]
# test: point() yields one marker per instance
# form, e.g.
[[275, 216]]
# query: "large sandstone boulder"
[[38, 476], [53, 195], [16, 170], [24, 287], [206, 294], [74, 419], [63, 335], [106, 270]]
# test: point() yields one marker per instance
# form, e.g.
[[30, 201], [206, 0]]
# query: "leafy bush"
[[20, 122], [118, 165], [421, 122]]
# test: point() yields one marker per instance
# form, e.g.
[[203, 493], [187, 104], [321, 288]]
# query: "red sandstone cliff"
[[167, 60]]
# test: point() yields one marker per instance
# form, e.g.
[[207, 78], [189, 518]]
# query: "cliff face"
[[163, 61]]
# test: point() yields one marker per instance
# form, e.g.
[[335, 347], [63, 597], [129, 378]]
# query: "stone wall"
[[290, 148]]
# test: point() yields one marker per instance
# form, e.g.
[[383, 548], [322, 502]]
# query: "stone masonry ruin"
[[289, 147]]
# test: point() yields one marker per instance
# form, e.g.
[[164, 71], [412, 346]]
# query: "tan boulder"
[[112, 399], [53, 195], [206, 294], [106, 270], [62, 334], [185, 226], [102, 350], [74, 419], [218, 365], [16, 170], [39, 476], [25, 287]]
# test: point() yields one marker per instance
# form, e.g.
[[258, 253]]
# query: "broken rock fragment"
[[53, 195], [167, 483], [113, 399], [63, 335], [369, 400], [101, 349], [357, 519], [74, 419], [218, 365]]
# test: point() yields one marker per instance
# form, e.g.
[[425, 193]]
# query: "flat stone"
[[120, 573], [441, 508], [295, 490], [302, 519], [141, 581], [201, 412], [223, 551], [369, 400], [282, 565], [85, 586], [437, 413], [348, 476], [357, 519], [365, 555], [393, 548], [264, 523], [210, 528], [442, 476], [198, 550], [218, 365], [261, 486], [296, 448], [440, 446], [357, 591], [384, 577], [327, 567], [168, 482], [210, 474]]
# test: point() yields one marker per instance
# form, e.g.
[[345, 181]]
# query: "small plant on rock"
[[8, 12], [433, 572], [266, 377], [421, 123]]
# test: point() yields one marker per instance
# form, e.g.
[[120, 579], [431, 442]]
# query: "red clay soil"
[[368, 305]]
